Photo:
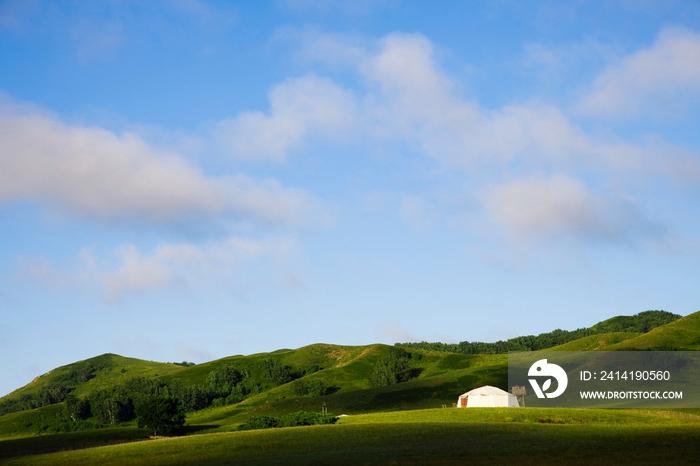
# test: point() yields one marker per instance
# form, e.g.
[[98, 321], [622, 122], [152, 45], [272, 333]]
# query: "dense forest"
[[639, 323]]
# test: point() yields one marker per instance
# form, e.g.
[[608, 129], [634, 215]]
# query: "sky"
[[190, 179]]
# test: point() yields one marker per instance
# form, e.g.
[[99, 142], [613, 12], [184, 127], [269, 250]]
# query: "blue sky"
[[188, 180]]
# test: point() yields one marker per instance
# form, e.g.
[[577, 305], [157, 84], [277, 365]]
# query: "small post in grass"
[[519, 392]]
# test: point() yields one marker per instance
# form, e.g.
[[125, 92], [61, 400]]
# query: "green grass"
[[438, 436], [529, 416], [442, 379], [38, 444], [123, 369], [601, 342], [346, 369], [25, 423], [681, 335], [118, 370]]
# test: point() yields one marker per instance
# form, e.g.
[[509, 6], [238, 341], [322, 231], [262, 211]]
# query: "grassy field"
[[435, 437]]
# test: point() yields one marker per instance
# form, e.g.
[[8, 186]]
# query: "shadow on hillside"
[[193, 429], [69, 441], [332, 390]]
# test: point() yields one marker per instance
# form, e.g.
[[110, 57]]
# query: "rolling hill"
[[343, 372]]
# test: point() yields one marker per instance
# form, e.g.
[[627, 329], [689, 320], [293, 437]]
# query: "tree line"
[[641, 323]]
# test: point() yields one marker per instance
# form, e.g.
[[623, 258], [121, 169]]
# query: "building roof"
[[486, 390]]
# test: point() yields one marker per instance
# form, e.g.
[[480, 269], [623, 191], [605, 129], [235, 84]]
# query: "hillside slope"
[[638, 323], [343, 372], [681, 335]]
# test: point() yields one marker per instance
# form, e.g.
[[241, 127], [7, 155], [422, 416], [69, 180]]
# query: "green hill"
[[680, 335], [638, 323], [224, 393], [601, 341], [344, 371]]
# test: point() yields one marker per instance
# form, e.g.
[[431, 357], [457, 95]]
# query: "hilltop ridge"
[[226, 391]]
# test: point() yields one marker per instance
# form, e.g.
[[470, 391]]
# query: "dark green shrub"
[[313, 387], [259, 422], [162, 414], [317, 387], [300, 387], [305, 418]]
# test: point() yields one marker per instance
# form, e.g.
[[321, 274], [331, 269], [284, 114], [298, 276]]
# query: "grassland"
[[436, 437], [115, 369]]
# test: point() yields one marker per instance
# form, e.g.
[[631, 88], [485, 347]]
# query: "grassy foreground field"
[[435, 437]]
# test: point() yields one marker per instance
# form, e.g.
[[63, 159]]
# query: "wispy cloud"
[[237, 264], [96, 40], [655, 81], [393, 331], [206, 14], [94, 173], [193, 353], [407, 97], [14, 14], [299, 108], [546, 208]]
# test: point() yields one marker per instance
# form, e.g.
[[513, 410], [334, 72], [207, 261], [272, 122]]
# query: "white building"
[[487, 397]]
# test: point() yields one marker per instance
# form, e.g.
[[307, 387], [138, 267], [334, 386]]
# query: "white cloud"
[[393, 331], [299, 108], [408, 98], [538, 208], [94, 173], [657, 80], [96, 40], [184, 265], [330, 48], [541, 207], [553, 60], [193, 353], [234, 265], [138, 273]]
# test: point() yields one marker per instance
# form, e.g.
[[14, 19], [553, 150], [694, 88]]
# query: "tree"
[[223, 380], [317, 387], [277, 372], [78, 409], [313, 387], [392, 369], [160, 413], [111, 406]]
